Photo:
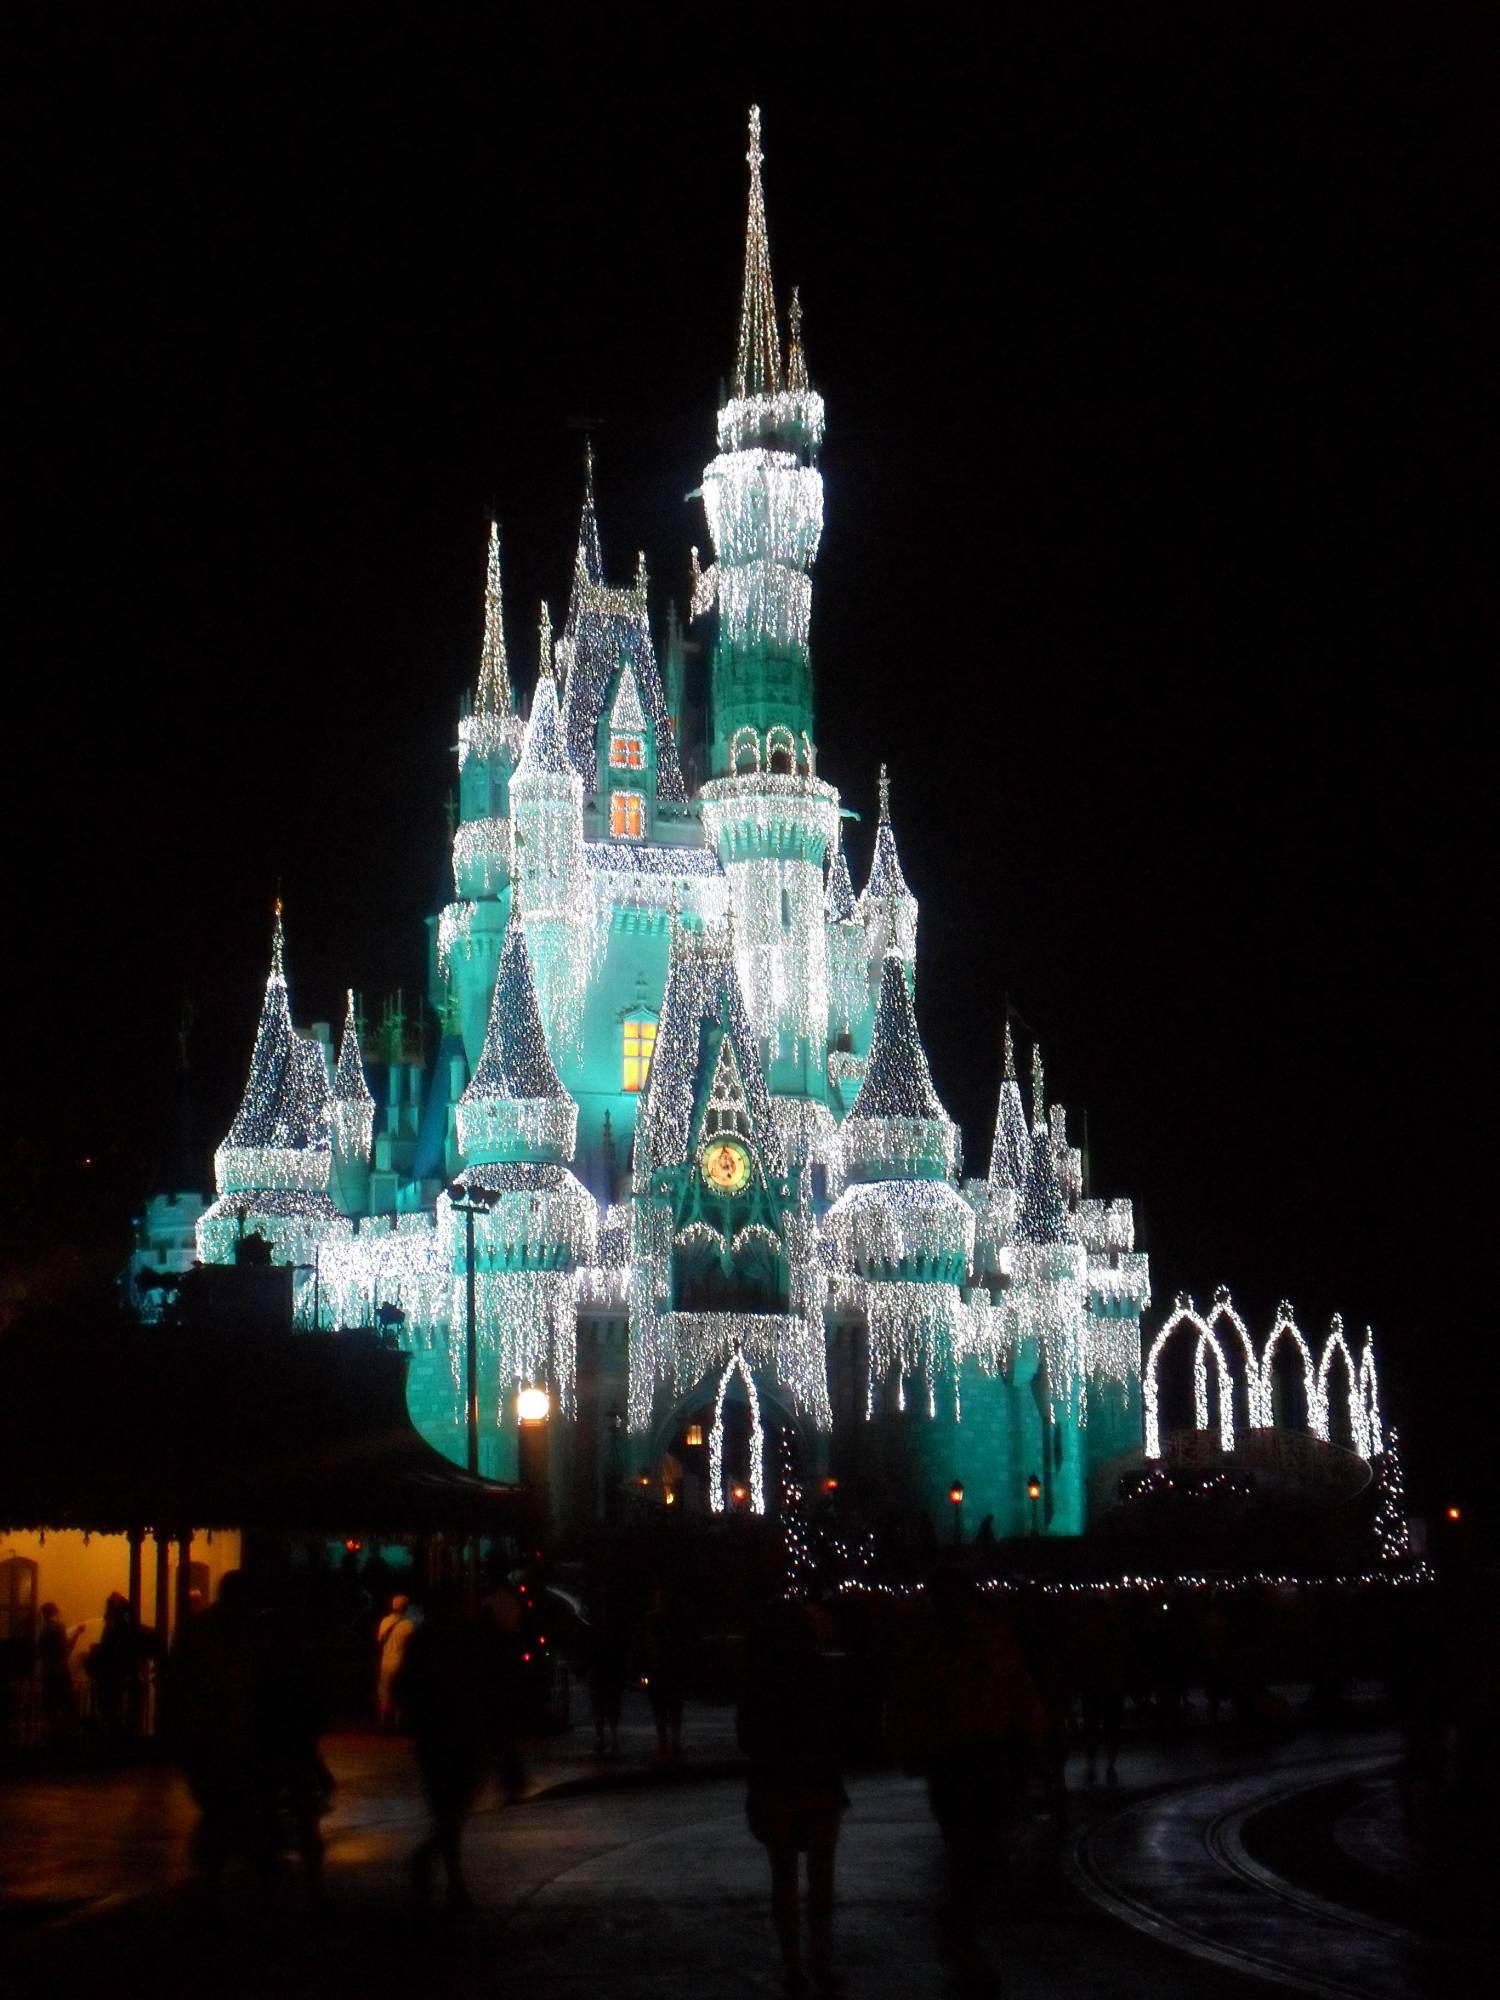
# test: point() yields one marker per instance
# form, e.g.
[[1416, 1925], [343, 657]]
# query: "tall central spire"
[[492, 695], [757, 367]]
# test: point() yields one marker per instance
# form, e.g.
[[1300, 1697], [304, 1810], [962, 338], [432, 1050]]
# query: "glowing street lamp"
[[956, 1495], [533, 1406], [1033, 1494]]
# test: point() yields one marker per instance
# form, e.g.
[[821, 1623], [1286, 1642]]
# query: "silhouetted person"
[[965, 1710], [114, 1666], [608, 1644], [664, 1655], [447, 1702], [1099, 1641], [291, 1713], [790, 1729], [54, 1652], [213, 1721]]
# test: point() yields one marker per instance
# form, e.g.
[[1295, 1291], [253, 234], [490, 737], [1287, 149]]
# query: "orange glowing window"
[[627, 815], [638, 1046], [627, 753]]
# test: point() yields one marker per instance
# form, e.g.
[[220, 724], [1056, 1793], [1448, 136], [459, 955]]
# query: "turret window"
[[639, 1045], [627, 815], [627, 753]]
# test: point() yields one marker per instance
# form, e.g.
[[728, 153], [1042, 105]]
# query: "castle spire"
[[796, 361], [588, 563], [897, 1128], [757, 366], [1038, 1088], [1011, 1150], [353, 1103], [515, 1106], [280, 1134], [544, 645], [886, 904], [492, 692]]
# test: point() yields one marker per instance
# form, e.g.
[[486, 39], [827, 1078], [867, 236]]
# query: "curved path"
[[1176, 1867]]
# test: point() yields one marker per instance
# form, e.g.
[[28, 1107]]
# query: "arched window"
[[637, 1046], [744, 743], [781, 749], [627, 815]]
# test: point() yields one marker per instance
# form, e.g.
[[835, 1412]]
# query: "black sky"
[[1157, 344]]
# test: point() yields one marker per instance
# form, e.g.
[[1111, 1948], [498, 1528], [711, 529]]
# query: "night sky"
[[1157, 345]]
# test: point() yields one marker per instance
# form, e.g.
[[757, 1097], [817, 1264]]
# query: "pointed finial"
[[642, 581], [588, 562], [1010, 1053], [544, 641], [796, 360], [885, 796], [1038, 1088], [278, 945], [492, 695], [757, 367]]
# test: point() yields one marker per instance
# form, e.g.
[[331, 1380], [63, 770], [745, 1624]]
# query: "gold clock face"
[[725, 1165]]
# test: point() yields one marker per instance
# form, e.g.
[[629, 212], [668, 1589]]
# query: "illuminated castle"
[[680, 1076]]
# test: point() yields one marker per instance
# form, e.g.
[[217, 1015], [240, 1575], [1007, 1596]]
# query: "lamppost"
[[1033, 1494], [480, 1202], [956, 1495]]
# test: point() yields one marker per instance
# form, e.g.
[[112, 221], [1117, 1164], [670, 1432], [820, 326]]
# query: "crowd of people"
[[981, 1689]]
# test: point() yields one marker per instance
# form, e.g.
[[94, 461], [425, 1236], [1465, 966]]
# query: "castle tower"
[[770, 819], [551, 881], [516, 1126], [887, 907], [471, 928], [901, 1240], [353, 1119], [850, 1011], [273, 1168]]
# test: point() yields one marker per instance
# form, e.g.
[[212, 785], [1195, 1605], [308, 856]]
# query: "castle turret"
[[887, 907], [353, 1119], [896, 1128], [551, 879], [901, 1237], [515, 1107], [273, 1168], [470, 929], [764, 500], [768, 816], [850, 1010]]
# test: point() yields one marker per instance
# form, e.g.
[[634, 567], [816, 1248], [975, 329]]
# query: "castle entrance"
[[728, 1444]]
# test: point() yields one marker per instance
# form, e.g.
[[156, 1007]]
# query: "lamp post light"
[[956, 1495], [480, 1202], [1033, 1494]]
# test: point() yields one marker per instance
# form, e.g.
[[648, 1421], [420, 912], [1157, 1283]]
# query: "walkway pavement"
[[601, 1882]]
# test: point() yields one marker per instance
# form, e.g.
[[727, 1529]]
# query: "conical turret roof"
[[280, 1134], [757, 362], [353, 1102], [544, 751], [515, 1106], [838, 895], [897, 1082], [1009, 1154]]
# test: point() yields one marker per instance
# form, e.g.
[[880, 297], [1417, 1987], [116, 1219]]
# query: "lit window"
[[639, 1044], [627, 815], [627, 753], [694, 1434]]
